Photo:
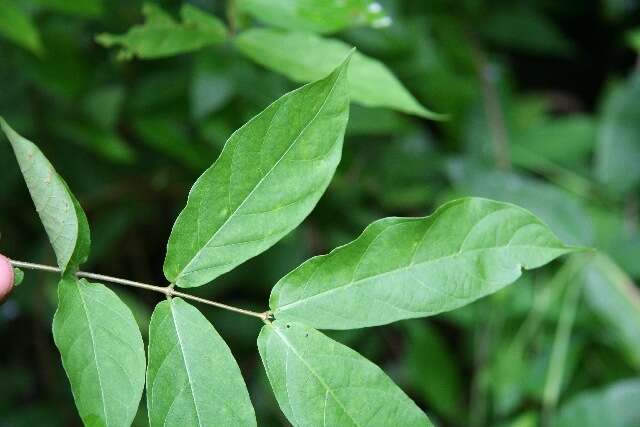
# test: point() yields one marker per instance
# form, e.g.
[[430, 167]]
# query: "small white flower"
[[374, 7]]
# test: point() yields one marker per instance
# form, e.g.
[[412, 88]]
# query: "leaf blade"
[[201, 353], [102, 352], [305, 57], [467, 249], [298, 142], [64, 220], [306, 382]]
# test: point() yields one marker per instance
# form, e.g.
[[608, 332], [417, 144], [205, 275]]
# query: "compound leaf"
[[60, 213], [269, 176], [320, 382], [402, 268], [162, 36], [305, 57], [192, 379], [102, 352]]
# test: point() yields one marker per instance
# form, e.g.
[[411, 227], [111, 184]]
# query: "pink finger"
[[6, 277]]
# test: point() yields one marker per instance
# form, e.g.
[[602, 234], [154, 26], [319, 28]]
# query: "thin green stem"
[[166, 290]]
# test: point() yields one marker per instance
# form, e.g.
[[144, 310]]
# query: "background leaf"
[[320, 382], [318, 16], [161, 36], [16, 25], [305, 57], [192, 378], [402, 268], [102, 352], [270, 175], [61, 214]]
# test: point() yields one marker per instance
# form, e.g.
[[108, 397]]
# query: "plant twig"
[[169, 291]]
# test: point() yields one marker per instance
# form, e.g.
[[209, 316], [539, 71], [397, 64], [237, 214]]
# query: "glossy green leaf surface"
[[102, 352], [320, 382], [402, 268], [60, 213], [269, 176], [305, 57], [613, 406], [162, 36], [319, 16], [192, 378]]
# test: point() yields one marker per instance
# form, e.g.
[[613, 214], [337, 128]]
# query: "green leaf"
[[269, 176], [17, 26], [102, 352], [320, 382], [82, 8], [192, 378], [617, 150], [319, 16], [60, 213], [305, 57], [162, 36], [18, 276], [402, 268], [613, 406]]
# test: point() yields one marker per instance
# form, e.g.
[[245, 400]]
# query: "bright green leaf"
[[401, 268], [102, 352], [18, 276], [305, 57], [319, 16], [61, 214], [618, 148], [614, 406], [17, 26], [161, 36], [269, 176], [320, 382], [192, 378]]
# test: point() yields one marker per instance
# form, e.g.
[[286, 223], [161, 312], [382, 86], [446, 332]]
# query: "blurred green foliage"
[[544, 111]]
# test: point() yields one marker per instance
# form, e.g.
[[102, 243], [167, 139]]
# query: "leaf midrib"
[[295, 141], [186, 365], [328, 389], [352, 283], [93, 346]]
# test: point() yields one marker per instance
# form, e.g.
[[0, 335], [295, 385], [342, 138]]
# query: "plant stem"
[[169, 291]]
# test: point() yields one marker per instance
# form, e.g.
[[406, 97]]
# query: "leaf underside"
[[402, 268], [320, 382], [102, 352], [192, 378]]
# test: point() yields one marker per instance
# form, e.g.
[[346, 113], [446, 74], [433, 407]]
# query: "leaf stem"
[[166, 290]]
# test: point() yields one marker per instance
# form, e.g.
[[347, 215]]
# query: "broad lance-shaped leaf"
[[305, 57], [401, 268], [102, 352], [320, 382], [60, 213], [269, 176], [192, 378], [162, 36]]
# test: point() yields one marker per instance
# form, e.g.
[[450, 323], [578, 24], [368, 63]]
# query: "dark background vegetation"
[[544, 106]]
